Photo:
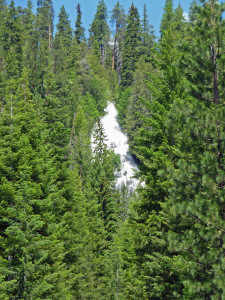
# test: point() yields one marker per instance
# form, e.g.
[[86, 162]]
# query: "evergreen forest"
[[66, 231]]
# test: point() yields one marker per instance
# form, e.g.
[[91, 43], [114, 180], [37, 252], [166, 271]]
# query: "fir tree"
[[195, 210], [118, 18], [12, 41], [31, 247], [131, 51], [80, 142], [103, 175], [30, 43], [147, 36], [197, 180], [204, 81], [167, 17], [62, 42], [45, 17], [79, 31], [153, 146], [63, 26], [99, 30]]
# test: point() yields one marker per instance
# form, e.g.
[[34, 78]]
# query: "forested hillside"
[[66, 231]]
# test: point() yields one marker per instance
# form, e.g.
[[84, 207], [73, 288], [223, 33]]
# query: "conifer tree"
[[65, 230], [103, 175], [2, 4], [195, 208], [62, 42], [83, 236], [118, 18], [99, 30], [145, 21], [31, 246], [30, 42], [170, 54], [136, 108], [80, 142], [167, 17], [132, 41], [152, 145], [79, 31], [55, 229], [147, 35], [45, 17], [204, 81], [28, 20], [63, 26], [12, 41]]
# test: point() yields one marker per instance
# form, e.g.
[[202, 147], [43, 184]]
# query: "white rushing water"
[[118, 141]]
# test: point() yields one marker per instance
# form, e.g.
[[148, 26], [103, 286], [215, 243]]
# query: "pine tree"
[[132, 41], [79, 31], [157, 275], [57, 220], [80, 142], [79, 238], [63, 27], [12, 42], [103, 175], [31, 246], [204, 81], [167, 17], [95, 81], [62, 42], [99, 30], [44, 23], [147, 36], [45, 17], [195, 208], [118, 18], [170, 54], [134, 115], [30, 42]]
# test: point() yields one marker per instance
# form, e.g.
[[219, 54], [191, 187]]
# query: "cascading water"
[[117, 140]]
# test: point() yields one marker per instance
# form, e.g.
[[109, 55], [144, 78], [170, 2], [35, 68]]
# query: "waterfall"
[[118, 141]]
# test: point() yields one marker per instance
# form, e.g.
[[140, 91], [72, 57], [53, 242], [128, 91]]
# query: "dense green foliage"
[[99, 31], [66, 231], [132, 41]]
